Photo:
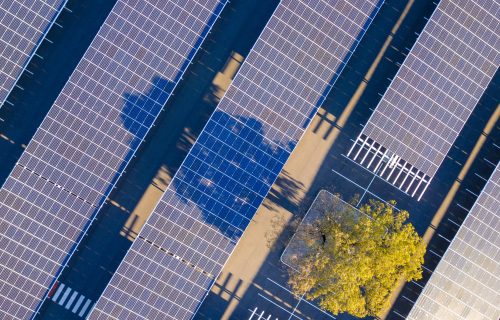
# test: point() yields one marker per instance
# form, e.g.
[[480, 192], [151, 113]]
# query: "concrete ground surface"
[[253, 280]]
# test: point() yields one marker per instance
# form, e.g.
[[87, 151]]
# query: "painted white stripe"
[[65, 296], [84, 308], [262, 296], [78, 304], [303, 300], [70, 301], [253, 313], [58, 292]]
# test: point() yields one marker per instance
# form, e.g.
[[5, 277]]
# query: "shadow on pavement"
[[260, 286], [421, 212], [458, 206]]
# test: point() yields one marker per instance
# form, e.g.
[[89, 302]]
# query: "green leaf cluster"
[[359, 260]]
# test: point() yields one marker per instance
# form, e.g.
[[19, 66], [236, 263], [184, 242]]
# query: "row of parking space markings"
[[365, 190], [70, 299], [281, 303], [257, 314]]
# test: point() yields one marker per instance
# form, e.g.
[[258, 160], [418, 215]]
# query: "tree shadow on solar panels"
[[226, 177], [139, 111], [137, 116]]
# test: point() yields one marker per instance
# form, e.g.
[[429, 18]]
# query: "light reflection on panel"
[[466, 283]]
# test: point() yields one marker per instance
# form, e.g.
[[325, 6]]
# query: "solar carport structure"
[[466, 283], [23, 25], [433, 94], [196, 225], [87, 138]]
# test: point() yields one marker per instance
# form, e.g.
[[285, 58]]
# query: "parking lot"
[[254, 281], [253, 284], [148, 174]]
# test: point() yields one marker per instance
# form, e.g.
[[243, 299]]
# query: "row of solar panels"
[[218, 184], [433, 94], [98, 121], [67, 169], [91, 132], [23, 26], [466, 281], [210, 201]]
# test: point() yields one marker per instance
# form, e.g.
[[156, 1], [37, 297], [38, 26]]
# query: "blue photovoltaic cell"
[[466, 284], [23, 25], [87, 138], [237, 157], [433, 94]]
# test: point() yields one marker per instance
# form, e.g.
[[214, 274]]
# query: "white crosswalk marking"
[[70, 301], [78, 304], [58, 292], [84, 308], [65, 296]]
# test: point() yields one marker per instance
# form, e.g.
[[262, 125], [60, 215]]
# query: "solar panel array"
[[23, 25], [433, 94], [87, 138], [466, 282], [196, 225]]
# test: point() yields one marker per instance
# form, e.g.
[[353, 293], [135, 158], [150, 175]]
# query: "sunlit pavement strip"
[[71, 300]]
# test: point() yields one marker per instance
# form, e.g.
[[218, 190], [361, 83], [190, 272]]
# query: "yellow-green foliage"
[[360, 261]]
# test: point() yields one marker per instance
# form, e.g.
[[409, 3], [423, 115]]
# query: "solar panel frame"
[[417, 144], [74, 203], [465, 283], [21, 64], [113, 300]]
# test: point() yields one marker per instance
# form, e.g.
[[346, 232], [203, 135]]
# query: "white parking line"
[[78, 304], [58, 292], [301, 299], [260, 316], [321, 310], [70, 301], [84, 308], [361, 187], [279, 285], [65, 296], [296, 306], [262, 296]]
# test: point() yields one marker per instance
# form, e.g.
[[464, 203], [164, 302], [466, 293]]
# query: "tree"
[[357, 261]]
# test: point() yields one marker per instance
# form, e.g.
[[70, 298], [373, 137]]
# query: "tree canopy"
[[357, 260]]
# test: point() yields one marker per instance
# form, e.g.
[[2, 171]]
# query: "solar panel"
[[432, 96], [24, 24], [87, 138], [191, 233], [466, 283]]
